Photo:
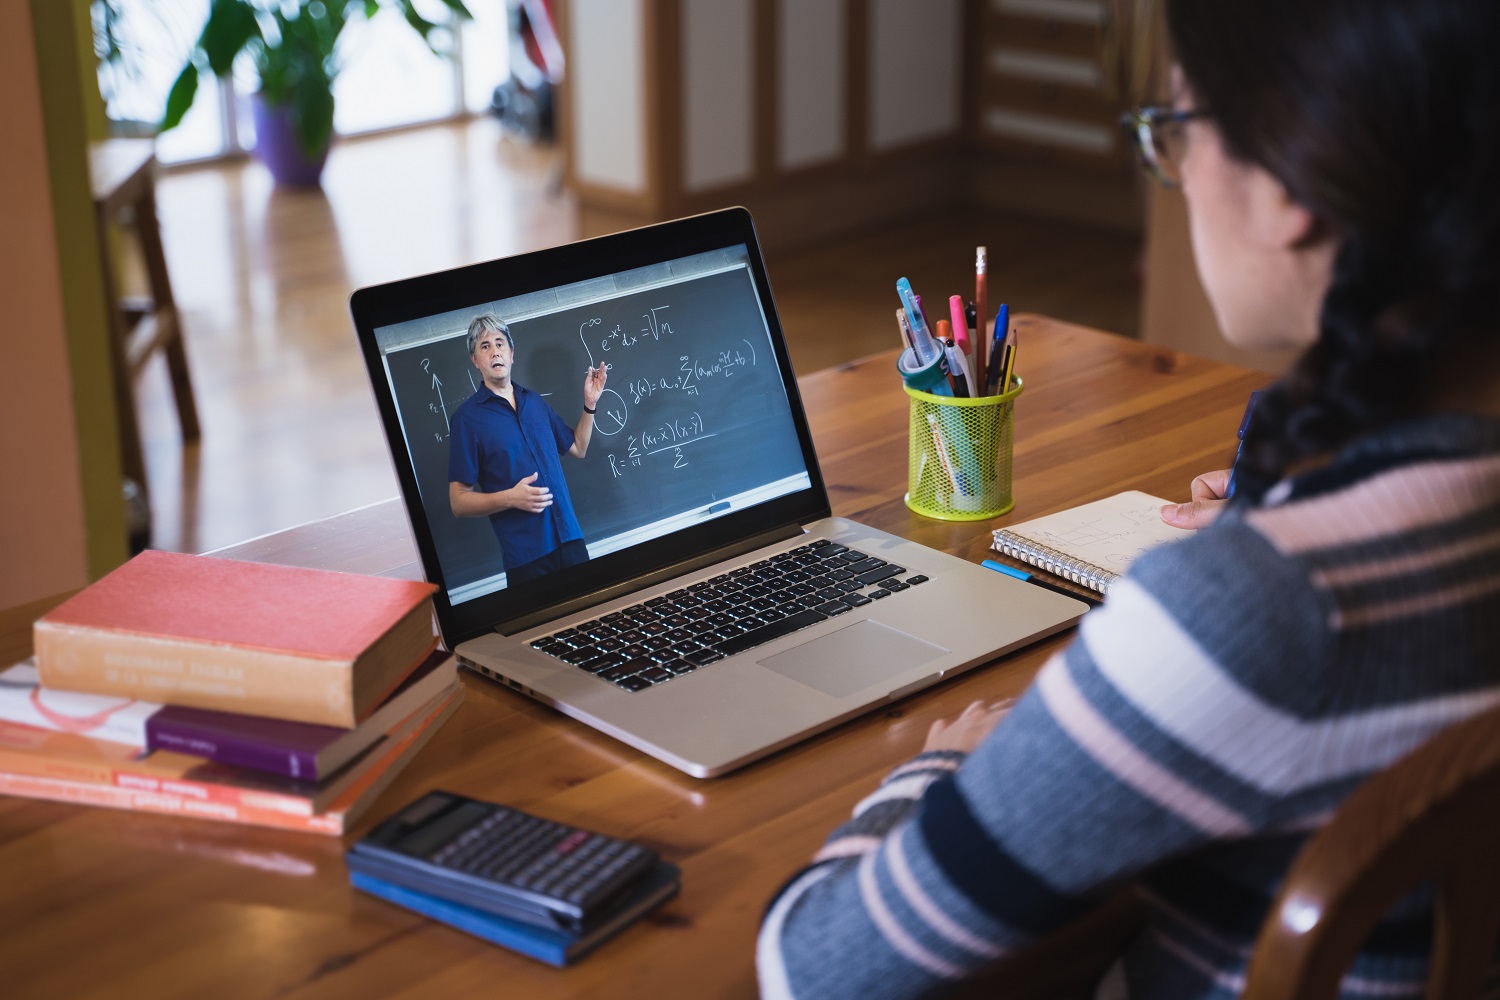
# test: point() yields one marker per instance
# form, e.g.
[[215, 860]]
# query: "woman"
[[1341, 163]]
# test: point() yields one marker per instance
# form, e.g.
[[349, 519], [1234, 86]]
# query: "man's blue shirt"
[[494, 447]]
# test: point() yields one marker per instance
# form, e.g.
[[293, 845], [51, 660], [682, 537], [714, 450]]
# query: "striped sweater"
[[1234, 688]]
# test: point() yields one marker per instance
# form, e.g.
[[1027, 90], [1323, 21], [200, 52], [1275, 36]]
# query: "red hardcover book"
[[260, 639]]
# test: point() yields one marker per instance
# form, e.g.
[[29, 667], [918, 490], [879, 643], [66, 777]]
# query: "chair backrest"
[[1432, 816]]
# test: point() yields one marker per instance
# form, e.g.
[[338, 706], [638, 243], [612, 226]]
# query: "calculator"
[[502, 860]]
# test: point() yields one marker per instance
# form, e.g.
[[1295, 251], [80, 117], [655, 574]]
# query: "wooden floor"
[[262, 278]]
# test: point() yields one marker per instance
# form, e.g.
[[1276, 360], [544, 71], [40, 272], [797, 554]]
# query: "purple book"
[[296, 749]]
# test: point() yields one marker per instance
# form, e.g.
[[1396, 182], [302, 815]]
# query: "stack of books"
[[243, 692]]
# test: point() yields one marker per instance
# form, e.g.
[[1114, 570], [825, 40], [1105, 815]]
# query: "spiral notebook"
[[1091, 545]]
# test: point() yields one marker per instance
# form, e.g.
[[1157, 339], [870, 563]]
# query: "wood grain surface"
[[101, 903]]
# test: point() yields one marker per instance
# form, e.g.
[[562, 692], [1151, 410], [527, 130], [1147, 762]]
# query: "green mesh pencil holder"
[[960, 455]]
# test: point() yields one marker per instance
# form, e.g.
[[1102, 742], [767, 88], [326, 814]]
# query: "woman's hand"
[[1208, 501], [967, 731]]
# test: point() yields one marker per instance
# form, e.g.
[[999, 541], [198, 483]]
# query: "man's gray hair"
[[488, 323]]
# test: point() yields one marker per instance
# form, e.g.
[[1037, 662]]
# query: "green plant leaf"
[[460, 12], [230, 26], [312, 104], [423, 26], [372, 7], [181, 97]]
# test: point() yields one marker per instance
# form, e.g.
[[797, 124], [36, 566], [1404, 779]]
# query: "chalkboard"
[[694, 410]]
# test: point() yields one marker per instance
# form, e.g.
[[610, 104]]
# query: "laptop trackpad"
[[853, 658]]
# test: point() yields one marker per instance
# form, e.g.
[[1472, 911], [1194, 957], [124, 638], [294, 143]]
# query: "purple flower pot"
[[276, 145]]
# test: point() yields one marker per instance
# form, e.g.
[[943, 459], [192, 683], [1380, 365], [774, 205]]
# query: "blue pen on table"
[[1244, 426], [997, 351], [1020, 574]]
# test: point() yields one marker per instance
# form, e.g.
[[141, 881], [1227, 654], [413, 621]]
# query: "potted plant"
[[294, 45]]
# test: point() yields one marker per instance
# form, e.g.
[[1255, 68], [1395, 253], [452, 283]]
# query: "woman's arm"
[[1129, 749]]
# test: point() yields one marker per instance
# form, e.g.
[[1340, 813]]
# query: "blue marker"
[[997, 352], [1019, 574], [923, 345], [1244, 426]]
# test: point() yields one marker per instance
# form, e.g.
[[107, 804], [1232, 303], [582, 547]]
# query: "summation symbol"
[[672, 435]]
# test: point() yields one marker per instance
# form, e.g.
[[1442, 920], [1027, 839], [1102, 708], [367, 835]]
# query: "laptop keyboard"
[[652, 642]]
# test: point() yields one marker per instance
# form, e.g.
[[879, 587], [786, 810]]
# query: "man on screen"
[[504, 459]]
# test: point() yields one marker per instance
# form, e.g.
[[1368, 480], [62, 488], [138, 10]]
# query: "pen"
[[1002, 325], [1000, 567], [981, 298], [1244, 426], [905, 330], [1011, 350], [961, 328], [958, 379], [922, 345], [942, 450]]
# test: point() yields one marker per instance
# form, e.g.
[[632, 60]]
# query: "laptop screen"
[[693, 422]]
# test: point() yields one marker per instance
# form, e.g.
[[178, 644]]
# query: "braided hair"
[[1382, 118]]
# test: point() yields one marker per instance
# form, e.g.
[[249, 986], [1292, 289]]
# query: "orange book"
[[342, 812], [255, 638]]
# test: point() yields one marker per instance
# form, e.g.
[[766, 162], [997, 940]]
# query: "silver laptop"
[[665, 568]]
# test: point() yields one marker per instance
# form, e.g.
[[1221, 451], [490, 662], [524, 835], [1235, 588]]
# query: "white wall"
[[916, 65], [608, 93], [718, 93], [810, 91]]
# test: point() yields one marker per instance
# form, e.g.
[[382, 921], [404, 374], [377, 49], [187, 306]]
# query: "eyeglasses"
[[1157, 134]]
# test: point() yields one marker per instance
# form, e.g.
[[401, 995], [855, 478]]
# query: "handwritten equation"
[[692, 372], [667, 438]]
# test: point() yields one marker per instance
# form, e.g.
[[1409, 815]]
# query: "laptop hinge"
[[555, 611]]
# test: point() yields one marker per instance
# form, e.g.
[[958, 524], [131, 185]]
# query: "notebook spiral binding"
[[1057, 563]]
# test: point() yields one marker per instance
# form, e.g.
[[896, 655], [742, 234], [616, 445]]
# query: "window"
[[389, 77]]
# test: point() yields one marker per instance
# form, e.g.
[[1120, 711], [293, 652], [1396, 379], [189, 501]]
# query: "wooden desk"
[[96, 902]]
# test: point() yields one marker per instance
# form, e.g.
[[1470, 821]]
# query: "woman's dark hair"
[[1382, 117]]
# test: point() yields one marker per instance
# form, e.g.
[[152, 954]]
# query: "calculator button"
[[571, 842]]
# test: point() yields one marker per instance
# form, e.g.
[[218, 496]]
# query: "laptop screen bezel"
[[478, 284]]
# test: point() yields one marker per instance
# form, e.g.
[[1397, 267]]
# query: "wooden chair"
[[1432, 816], [122, 176]]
